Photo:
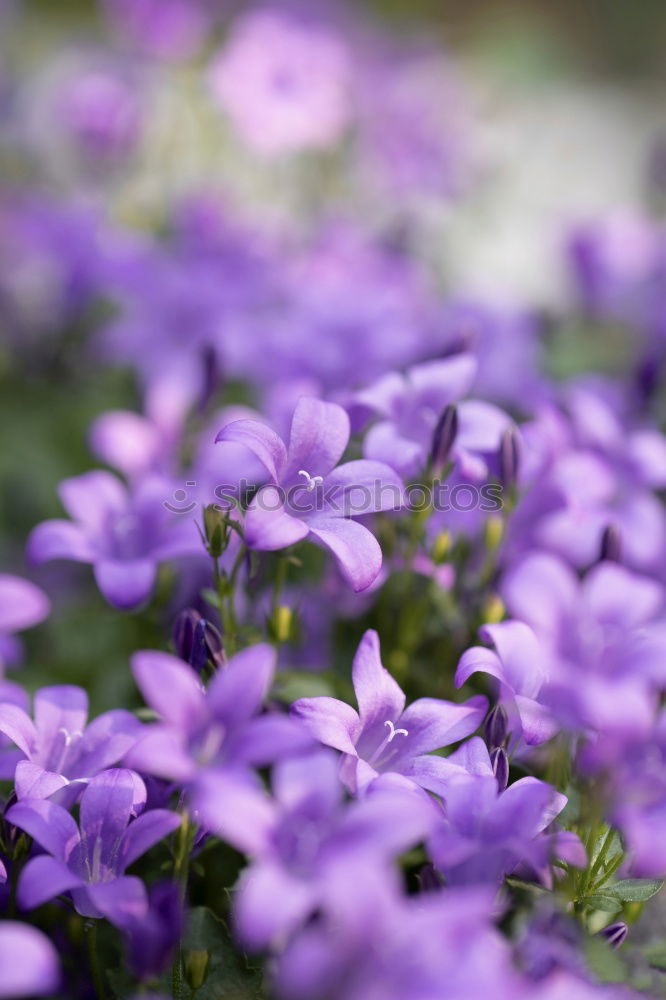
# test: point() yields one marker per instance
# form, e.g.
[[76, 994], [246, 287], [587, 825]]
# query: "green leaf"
[[605, 963], [655, 955], [599, 901], [228, 974], [634, 890]]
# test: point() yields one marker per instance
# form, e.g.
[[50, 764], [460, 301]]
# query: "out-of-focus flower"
[[28, 960], [22, 605], [89, 860], [168, 29], [58, 750], [384, 736], [486, 833], [124, 535], [285, 82], [100, 111], [520, 664], [219, 727], [308, 495], [153, 936], [303, 840]]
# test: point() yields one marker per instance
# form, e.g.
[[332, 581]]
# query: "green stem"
[[93, 958], [181, 874]]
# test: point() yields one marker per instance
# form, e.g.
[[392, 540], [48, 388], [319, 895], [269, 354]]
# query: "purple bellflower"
[[520, 664], [58, 750], [384, 736], [308, 495], [485, 834], [89, 860], [219, 727], [303, 838], [29, 962], [125, 536]]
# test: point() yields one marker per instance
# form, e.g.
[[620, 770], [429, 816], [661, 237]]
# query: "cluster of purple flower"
[[296, 381]]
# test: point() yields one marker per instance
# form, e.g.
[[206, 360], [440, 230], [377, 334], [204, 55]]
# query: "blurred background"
[[462, 157]]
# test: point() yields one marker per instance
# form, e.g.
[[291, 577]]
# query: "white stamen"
[[394, 731], [311, 480]]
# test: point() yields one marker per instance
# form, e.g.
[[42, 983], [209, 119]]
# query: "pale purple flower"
[[22, 605], [58, 750], [520, 664], [384, 736], [284, 82], [29, 962], [124, 535], [168, 29], [89, 860], [485, 834], [409, 407], [218, 727], [308, 496], [99, 109], [303, 839]]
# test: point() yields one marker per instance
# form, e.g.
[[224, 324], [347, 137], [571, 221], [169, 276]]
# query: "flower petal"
[[33, 782], [236, 808], [59, 540], [270, 904], [318, 438], [145, 831], [261, 440], [170, 687], [378, 694], [18, 726], [522, 656], [356, 549], [362, 487], [106, 807], [29, 962], [331, 721], [238, 691], [163, 753], [122, 901], [125, 584], [59, 709], [48, 823], [89, 498], [42, 879], [432, 724], [267, 524], [22, 604]]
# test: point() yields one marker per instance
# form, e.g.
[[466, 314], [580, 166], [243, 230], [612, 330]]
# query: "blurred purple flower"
[[152, 936], [29, 962], [22, 605], [304, 838], [99, 109], [168, 29], [384, 736], [124, 535], [219, 727]]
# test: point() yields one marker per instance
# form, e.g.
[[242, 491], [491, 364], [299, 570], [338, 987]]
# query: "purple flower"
[[284, 82], [90, 860], [125, 536], [485, 834], [303, 839], [22, 605], [214, 728], [153, 936], [28, 960], [168, 29], [409, 407], [99, 109], [308, 495], [383, 735], [520, 664], [58, 750]]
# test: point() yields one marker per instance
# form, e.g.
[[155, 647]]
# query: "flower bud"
[[614, 933], [443, 439], [441, 548], [509, 458], [216, 530], [493, 609], [500, 765], [610, 549], [283, 620], [197, 640], [196, 968], [493, 533], [495, 728]]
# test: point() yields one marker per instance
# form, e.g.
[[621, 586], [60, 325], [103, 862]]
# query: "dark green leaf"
[[634, 890]]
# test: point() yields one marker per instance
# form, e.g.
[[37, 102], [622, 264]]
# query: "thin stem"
[[181, 874], [93, 958]]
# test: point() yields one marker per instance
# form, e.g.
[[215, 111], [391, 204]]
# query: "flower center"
[[310, 481]]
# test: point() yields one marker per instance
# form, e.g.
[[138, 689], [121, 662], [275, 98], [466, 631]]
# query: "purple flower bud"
[[443, 438], [197, 640], [500, 765], [615, 933], [509, 458], [495, 728], [610, 549], [152, 939]]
